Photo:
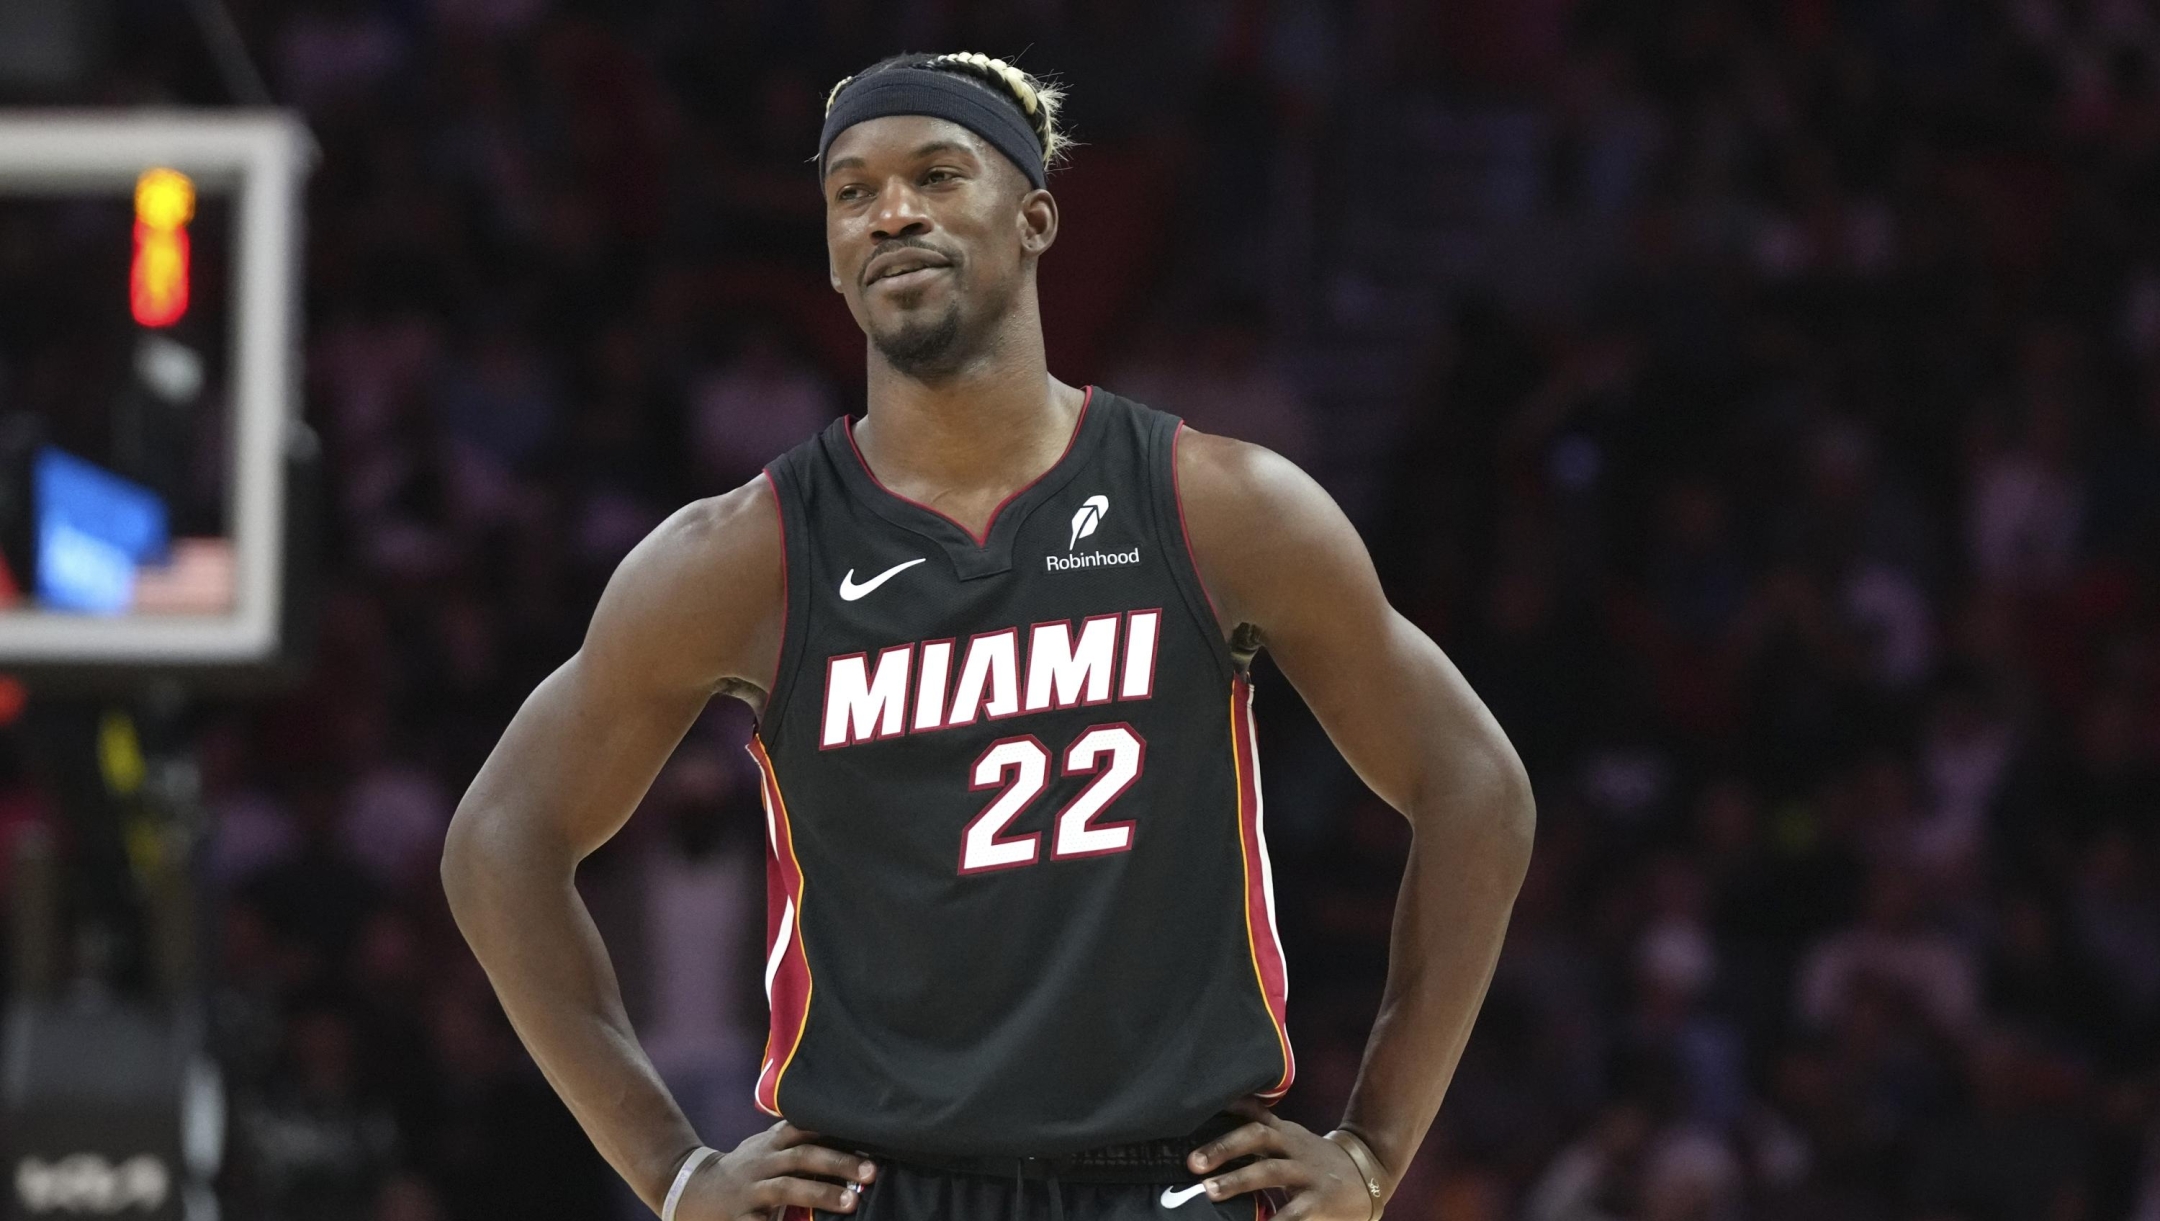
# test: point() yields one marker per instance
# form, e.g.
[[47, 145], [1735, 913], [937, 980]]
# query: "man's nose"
[[899, 213]]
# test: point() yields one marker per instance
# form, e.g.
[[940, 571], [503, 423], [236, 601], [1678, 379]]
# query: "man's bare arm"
[[1275, 552], [696, 609]]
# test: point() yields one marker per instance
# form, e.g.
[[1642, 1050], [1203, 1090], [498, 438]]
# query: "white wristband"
[[690, 1166]]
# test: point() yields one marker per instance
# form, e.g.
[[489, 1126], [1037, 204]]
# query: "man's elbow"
[[1501, 801], [462, 865], [493, 857], [1515, 806]]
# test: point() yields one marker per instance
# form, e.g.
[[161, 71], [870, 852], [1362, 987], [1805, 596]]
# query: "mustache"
[[904, 243]]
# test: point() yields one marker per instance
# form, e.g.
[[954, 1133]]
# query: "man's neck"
[[963, 443]]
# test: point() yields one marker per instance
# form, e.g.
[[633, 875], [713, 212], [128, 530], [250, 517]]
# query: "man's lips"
[[901, 263], [914, 275]]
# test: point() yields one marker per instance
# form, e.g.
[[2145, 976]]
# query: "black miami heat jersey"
[[1019, 898]]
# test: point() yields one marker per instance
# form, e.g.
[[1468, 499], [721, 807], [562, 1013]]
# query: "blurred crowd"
[[1802, 528]]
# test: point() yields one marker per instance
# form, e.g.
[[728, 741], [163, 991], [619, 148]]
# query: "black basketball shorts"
[[903, 1192]]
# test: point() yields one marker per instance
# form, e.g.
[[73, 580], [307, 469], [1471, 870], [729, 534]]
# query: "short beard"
[[923, 349]]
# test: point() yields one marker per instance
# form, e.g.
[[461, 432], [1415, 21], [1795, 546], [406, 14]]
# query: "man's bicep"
[[580, 753], [1291, 563], [1398, 710], [692, 608], [1379, 686]]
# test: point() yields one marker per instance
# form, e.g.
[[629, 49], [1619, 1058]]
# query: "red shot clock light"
[[158, 277]]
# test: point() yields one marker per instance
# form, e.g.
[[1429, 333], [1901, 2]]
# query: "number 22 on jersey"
[[1114, 754]]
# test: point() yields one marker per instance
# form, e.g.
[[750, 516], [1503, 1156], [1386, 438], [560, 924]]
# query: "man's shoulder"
[[1239, 475], [1207, 464], [701, 593], [723, 526], [704, 553], [1264, 534]]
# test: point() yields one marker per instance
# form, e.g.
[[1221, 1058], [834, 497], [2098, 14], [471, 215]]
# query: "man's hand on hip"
[[778, 1167], [1319, 1177]]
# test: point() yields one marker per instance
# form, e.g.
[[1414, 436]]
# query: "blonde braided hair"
[[1038, 99]]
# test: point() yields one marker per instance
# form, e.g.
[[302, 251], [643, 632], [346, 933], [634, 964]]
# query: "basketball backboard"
[[144, 449]]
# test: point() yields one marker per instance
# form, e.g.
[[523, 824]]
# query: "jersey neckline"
[[1052, 477]]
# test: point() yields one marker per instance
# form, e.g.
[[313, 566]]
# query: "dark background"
[[1761, 403]]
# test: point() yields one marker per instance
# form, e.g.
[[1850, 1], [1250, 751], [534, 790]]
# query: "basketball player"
[[997, 631]]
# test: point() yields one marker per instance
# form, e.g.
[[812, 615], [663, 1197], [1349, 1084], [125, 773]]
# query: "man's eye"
[[935, 175]]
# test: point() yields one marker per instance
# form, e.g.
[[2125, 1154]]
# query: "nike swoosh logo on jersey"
[[1172, 1197], [849, 590]]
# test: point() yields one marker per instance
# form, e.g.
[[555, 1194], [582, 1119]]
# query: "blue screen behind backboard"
[[93, 529]]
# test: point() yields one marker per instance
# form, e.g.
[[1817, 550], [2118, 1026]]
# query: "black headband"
[[940, 95]]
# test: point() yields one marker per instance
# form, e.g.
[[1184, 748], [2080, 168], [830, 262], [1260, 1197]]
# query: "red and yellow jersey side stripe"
[[1260, 935], [787, 964]]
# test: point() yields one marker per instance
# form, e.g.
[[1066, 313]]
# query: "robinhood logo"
[[1088, 516], [1085, 520]]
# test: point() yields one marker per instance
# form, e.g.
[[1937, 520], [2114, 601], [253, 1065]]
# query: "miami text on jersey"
[[1066, 666]]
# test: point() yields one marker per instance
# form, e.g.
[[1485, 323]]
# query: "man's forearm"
[[533, 934], [1466, 864]]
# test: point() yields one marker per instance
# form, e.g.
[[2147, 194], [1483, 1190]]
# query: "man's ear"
[[1038, 221], [832, 273]]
